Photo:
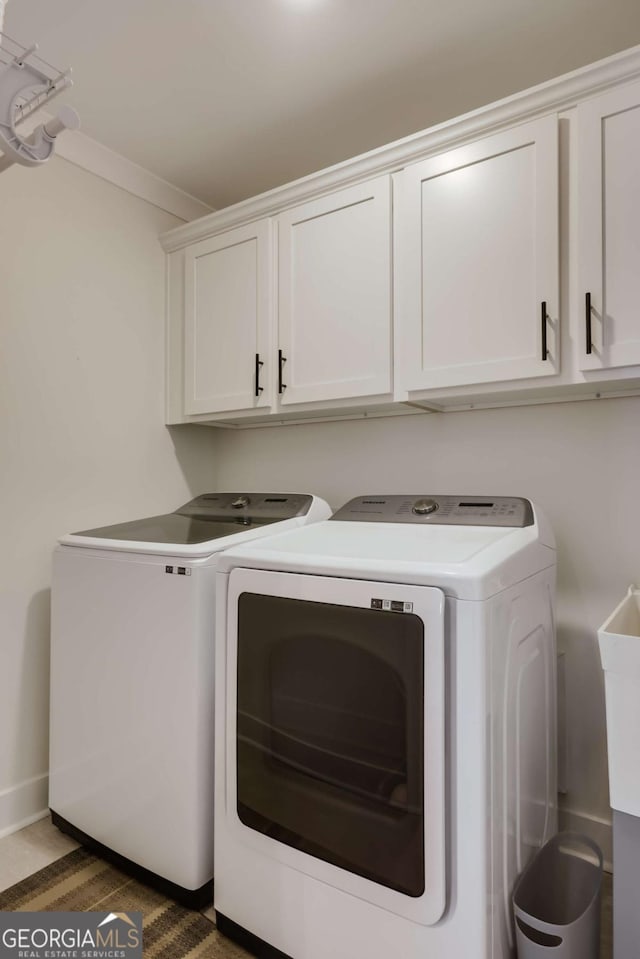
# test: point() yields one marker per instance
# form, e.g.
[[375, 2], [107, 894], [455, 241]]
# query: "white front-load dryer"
[[132, 660], [385, 729]]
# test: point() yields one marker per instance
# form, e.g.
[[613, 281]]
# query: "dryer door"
[[335, 720]]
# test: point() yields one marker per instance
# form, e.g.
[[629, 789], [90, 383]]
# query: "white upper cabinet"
[[426, 272], [227, 303], [334, 296], [609, 229], [477, 262]]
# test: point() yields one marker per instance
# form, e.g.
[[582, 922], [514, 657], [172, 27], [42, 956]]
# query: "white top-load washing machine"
[[132, 641], [385, 729]]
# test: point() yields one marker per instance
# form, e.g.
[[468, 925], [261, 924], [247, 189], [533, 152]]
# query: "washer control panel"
[[262, 507], [433, 510]]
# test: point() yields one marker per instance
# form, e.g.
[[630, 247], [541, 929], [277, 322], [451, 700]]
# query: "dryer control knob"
[[424, 506], [240, 502]]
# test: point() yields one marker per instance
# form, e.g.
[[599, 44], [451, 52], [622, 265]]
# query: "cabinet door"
[[228, 300], [335, 295], [477, 262], [609, 229]]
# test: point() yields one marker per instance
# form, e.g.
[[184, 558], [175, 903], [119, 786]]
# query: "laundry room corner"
[[81, 426], [319, 472], [578, 461]]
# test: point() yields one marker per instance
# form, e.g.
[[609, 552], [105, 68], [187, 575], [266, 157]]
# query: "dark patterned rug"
[[79, 882]]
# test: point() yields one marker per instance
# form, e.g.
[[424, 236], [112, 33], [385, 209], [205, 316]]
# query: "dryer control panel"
[[434, 510]]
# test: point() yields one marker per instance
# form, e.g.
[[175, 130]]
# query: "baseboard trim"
[[600, 830], [23, 804]]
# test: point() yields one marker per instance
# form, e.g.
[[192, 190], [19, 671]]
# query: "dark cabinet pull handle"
[[281, 361], [259, 363], [587, 320], [543, 323]]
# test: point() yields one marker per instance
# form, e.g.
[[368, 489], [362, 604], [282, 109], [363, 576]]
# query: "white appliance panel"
[[428, 605], [467, 562], [135, 659]]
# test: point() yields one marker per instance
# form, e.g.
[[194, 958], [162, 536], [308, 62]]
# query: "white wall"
[[579, 461], [82, 440]]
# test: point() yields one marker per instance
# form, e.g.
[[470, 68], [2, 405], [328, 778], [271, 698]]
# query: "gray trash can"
[[556, 901]]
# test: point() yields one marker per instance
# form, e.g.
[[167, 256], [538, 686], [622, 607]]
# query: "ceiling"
[[228, 98]]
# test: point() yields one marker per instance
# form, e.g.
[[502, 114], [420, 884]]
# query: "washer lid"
[[194, 528]]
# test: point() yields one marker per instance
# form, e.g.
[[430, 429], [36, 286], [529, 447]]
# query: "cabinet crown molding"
[[555, 95]]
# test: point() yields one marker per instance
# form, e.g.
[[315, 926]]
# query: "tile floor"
[[34, 847], [25, 852]]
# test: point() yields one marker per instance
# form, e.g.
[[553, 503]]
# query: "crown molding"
[[90, 155], [555, 95]]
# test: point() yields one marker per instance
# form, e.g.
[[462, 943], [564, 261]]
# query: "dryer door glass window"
[[330, 739]]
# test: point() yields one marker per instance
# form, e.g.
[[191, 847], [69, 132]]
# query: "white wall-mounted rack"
[[27, 83]]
